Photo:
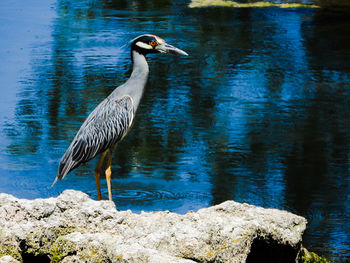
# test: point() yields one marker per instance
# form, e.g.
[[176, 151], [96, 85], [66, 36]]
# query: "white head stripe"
[[143, 45], [159, 40]]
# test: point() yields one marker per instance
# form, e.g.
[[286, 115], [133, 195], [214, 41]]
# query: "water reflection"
[[257, 113]]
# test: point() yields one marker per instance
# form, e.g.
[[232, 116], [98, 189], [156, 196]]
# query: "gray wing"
[[104, 127]]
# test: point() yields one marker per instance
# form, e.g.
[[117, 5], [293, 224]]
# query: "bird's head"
[[147, 44]]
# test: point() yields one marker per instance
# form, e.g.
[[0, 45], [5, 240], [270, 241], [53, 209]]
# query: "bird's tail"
[[54, 181], [66, 165], [60, 173]]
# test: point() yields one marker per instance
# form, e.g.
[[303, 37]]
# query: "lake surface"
[[259, 112]]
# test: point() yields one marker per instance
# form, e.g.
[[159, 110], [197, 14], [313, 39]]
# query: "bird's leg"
[[109, 174], [97, 174]]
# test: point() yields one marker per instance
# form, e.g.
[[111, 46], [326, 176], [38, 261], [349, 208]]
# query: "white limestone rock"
[[75, 228]]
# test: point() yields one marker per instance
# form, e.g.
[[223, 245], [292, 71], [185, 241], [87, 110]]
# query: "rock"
[[253, 4], [310, 257], [75, 228], [8, 259]]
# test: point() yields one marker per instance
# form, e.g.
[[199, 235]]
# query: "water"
[[259, 112]]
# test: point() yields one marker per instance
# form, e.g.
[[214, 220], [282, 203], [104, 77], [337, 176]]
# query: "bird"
[[111, 120]]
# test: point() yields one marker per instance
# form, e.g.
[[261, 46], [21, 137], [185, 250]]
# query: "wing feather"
[[104, 127]]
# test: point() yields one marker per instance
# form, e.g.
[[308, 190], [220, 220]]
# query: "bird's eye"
[[153, 43]]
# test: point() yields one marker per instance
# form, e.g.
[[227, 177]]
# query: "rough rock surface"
[[75, 228]]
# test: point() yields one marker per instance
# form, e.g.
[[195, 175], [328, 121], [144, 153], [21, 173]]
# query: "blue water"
[[259, 112]]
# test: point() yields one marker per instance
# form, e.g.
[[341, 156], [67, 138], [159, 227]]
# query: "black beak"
[[166, 48]]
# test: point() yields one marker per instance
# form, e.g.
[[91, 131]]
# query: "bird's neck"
[[135, 85], [140, 67]]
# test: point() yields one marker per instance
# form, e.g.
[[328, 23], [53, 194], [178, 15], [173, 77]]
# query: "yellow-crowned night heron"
[[109, 122]]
